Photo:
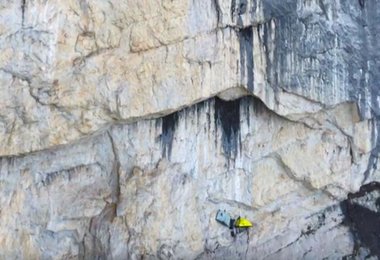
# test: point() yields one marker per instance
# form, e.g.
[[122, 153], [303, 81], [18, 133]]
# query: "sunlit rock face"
[[71, 68], [125, 126]]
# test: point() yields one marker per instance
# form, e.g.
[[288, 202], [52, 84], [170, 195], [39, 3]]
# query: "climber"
[[235, 225]]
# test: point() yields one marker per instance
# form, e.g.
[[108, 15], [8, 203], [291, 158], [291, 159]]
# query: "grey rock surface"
[[152, 189], [125, 126]]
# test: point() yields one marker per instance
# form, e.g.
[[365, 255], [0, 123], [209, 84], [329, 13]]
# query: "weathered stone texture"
[[125, 125]]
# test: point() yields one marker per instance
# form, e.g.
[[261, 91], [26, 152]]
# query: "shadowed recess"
[[246, 55], [227, 116], [23, 6], [169, 124], [363, 221]]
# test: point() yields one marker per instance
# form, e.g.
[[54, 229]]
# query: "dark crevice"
[[362, 216], [246, 56], [23, 6], [266, 30], [323, 8], [233, 8], [351, 154], [169, 124], [245, 109], [227, 116], [218, 12], [259, 106], [115, 180]]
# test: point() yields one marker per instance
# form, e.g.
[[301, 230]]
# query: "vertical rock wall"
[[152, 188], [125, 126]]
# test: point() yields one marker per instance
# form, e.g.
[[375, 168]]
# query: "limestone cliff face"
[[125, 126]]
